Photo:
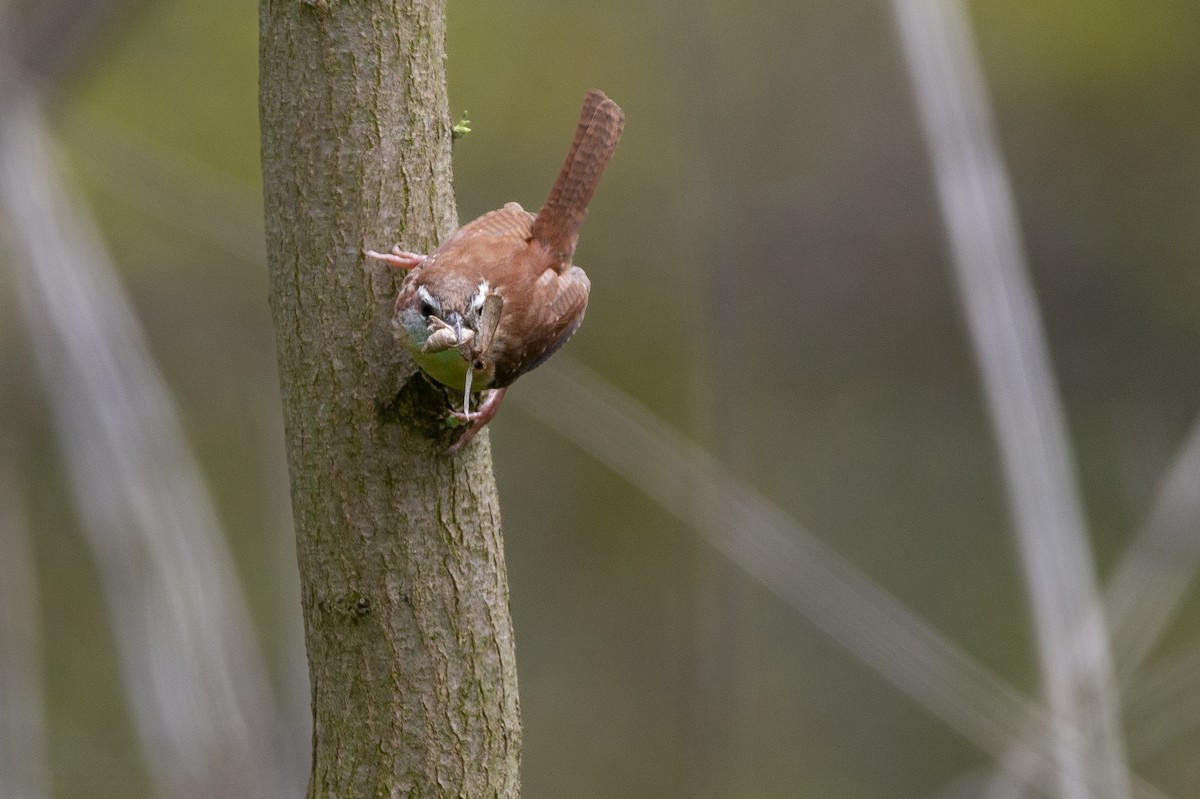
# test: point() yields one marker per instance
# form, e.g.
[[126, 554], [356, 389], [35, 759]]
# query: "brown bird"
[[500, 296]]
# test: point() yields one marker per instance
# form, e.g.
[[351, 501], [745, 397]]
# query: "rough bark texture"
[[405, 600]]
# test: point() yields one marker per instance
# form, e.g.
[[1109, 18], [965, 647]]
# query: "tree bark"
[[405, 597]]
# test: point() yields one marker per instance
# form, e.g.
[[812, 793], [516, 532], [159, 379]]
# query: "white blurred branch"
[[1013, 357], [1159, 566], [794, 564], [194, 675]]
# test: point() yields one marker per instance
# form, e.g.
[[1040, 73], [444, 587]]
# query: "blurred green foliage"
[[769, 275]]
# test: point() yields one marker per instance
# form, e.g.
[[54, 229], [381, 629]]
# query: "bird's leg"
[[487, 411], [467, 392], [400, 259]]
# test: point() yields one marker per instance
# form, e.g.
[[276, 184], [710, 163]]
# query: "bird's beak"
[[447, 334], [455, 320]]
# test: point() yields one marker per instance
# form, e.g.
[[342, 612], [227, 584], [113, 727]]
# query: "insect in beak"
[[445, 336]]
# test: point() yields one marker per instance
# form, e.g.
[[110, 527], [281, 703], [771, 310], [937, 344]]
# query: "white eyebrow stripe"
[[480, 295], [425, 296]]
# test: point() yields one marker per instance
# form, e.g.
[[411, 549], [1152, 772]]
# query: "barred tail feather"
[[557, 224]]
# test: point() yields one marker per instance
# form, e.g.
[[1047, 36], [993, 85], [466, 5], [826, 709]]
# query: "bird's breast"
[[448, 367]]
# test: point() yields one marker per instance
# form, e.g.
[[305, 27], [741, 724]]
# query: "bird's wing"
[[567, 297], [510, 223]]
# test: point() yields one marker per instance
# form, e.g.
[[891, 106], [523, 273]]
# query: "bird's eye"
[[429, 303]]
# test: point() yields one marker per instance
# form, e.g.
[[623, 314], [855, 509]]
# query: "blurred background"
[[848, 601]]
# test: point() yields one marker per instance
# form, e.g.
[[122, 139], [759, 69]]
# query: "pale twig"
[[791, 562], [201, 701], [1013, 358], [1158, 567]]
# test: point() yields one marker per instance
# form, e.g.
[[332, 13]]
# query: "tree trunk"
[[405, 598]]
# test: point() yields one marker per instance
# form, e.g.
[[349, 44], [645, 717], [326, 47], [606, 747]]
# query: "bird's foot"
[[398, 258], [478, 420]]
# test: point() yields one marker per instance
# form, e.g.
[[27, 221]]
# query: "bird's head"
[[447, 321]]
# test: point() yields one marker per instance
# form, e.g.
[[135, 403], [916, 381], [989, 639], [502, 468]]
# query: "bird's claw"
[[400, 259], [479, 419]]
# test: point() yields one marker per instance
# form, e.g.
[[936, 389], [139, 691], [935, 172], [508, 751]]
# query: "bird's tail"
[[557, 223]]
